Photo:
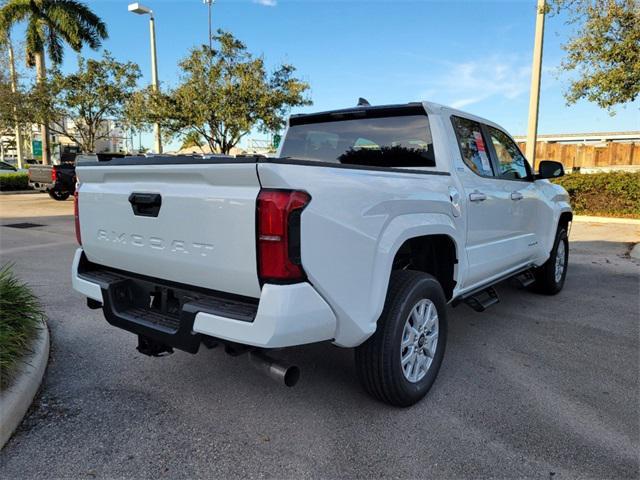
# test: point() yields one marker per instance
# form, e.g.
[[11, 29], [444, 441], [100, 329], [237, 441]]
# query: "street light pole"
[[534, 95], [209, 3], [142, 10], [154, 79]]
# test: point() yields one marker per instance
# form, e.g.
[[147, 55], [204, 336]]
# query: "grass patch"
[[14, 181], [21, 316], [613, 194]]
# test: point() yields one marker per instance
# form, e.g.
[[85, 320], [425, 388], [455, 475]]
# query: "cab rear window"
[[383, 141]]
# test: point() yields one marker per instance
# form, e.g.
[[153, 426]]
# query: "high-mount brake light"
[[278, 237]]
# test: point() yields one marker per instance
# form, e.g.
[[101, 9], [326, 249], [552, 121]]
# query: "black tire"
[[545, 275], [378, 362], [58, 195]]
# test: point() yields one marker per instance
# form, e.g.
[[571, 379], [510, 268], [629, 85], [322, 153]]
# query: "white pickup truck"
[[367, 224]]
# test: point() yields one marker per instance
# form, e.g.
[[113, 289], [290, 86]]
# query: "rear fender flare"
[[399, 230]]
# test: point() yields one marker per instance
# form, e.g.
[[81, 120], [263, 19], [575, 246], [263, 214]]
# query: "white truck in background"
[[366, 225]]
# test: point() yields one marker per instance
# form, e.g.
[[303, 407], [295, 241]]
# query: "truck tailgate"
[[203, 233], [40, 173]]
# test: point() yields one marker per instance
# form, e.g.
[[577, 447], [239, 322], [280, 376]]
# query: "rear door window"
[[473, 146], [384, 141]]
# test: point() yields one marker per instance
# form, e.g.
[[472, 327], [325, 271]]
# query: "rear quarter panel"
[[352, 228]]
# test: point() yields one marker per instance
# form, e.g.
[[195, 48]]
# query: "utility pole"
[[14, 89], [534, 95]]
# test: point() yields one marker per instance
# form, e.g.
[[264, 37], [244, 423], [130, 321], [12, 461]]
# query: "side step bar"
[[526, 278], [484, 297], [482, 300]]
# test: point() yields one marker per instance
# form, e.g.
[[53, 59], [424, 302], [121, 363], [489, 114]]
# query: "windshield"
[[396, 141]]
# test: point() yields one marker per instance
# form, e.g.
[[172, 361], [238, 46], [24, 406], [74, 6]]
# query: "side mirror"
[[550, 169]]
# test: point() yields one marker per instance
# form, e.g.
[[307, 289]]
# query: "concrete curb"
[[17, 192], [586, 218], [15, 401]]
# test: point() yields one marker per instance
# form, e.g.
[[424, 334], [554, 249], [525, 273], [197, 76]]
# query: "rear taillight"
[[76, 214], [54, 175], [279, 213]]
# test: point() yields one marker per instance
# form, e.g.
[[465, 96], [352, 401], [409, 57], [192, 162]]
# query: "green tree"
[[192, 139], [6, 94], [223, 94], [7, 111], [8, 103], [78, 104], [604, 51], [13, 101], [51, 24]]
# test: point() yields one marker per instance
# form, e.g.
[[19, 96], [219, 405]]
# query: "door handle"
[[516, 196], [477, 197], [145, 204]]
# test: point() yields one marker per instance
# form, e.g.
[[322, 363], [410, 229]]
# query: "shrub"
[[21, 316], [14, 181], [615, 194]]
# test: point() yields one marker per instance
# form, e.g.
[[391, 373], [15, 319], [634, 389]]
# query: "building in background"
[[586, 138], [116, 138]]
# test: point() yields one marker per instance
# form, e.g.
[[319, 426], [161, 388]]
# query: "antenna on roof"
[[362, 102]]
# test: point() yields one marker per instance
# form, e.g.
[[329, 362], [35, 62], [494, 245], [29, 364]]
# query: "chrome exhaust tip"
[[287, 375]]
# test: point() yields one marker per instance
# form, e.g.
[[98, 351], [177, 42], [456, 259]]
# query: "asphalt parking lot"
[[543, 387]]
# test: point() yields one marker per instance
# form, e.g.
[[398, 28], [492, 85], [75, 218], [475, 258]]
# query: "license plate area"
[[161, 310], [155, 305]]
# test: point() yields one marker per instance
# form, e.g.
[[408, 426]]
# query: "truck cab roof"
[[384, 110]]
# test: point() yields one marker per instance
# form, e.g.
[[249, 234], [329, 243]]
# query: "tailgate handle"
[[145, 204]]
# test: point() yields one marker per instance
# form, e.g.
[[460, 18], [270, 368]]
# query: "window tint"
[[395, 141], [472, 146], [511, 163]]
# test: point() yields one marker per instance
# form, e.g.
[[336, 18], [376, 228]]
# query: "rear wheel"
[[58, 195], [400, 361], [551, 275]]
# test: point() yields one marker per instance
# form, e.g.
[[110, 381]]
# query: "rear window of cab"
[[374, 139]]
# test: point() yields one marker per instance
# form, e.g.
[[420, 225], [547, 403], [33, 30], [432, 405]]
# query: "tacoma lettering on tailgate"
[[156, 243]]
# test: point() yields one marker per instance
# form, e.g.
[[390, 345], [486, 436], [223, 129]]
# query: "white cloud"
[[266, 3], [468, 82], [463, 102]]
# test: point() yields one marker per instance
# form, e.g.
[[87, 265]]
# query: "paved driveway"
[[33, 205], [543, 387]]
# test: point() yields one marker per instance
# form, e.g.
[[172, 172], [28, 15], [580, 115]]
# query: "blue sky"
[[474, 55]]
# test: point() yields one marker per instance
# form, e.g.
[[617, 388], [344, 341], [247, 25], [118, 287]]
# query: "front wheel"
[[59, 195], [400, 361], [551, 275]]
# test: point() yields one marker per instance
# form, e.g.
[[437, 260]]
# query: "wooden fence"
[[575, 155]]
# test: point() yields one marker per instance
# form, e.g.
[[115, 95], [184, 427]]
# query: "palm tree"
[[51, 24]]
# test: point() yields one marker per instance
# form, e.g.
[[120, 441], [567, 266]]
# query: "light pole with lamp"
[[142, 10], [209, 3]]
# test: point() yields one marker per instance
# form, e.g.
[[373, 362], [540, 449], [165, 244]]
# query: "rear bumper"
[[47, 187], [285, 315], [43, 187]]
